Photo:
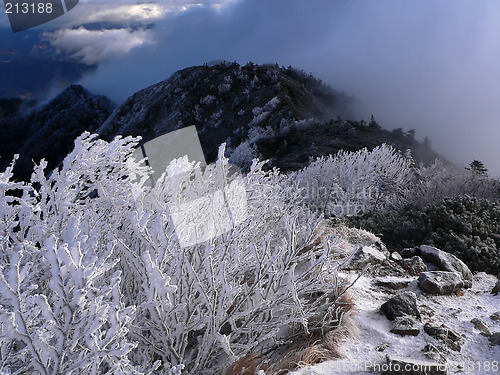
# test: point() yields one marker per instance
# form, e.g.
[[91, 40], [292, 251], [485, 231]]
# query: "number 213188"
[[25, 8]]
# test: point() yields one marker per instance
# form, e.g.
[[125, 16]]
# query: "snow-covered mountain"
[[266, 111], [49, 132], [225, 101]]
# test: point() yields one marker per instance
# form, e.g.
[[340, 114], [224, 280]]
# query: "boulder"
[[409, 252], [440, 282], [406, 325], [404, 303], [364, 255], [450, 338], [495, 339], [415, 265], [481, 326], [496, 288], [395, 256], [495, 316], [446, 262], [433, 353], [394, 283], [397, 365]]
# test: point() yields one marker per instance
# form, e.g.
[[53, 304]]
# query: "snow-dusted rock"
[[395, 256], [495, 316], [446, 262], [440, 282], [364, 255], [404, 303], [449, 337], [409, 252], [394, 283], [496, 288], [397, 365], [415, 266], [495, 339], [406, 325], [481, 326]]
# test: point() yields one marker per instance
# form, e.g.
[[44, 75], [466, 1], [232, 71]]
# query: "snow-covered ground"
[[454, 311]]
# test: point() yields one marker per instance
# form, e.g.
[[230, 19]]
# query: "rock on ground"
[[496, 288], [495, 338], [415, 265], [440, 282], [446, 262], [402, 304], [363, 256], [406, 325], [398, 365], [394, 283]]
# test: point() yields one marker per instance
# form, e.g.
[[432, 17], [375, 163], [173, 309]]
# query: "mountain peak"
[[225, 101]]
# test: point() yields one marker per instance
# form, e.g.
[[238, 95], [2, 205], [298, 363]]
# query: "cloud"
[[95, 32], [423, 64], [126, 12], [117, 13], [94, 46]]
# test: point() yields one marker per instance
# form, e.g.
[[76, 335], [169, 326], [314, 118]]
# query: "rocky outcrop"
[[450, 338], [406, 325], [496, 288], [415, 265], [440, 282], [401, 305], [446, 262], [364, 256]]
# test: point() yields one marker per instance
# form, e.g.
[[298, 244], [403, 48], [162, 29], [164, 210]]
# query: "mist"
[[427, 65]]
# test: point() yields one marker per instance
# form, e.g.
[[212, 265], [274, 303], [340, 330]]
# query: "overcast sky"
[[424, 64]]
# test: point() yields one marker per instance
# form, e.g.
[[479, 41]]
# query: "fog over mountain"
[[425, 65]]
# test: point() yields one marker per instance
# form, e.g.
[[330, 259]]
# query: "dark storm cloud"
[[421, 64]]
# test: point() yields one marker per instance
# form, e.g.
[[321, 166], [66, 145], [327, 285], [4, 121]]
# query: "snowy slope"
[[454, 311]]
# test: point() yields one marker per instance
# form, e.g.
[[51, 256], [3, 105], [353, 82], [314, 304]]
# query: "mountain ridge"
[[275, 113], [49, 132]]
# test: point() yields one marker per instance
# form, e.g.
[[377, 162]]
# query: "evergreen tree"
[[477, 167]]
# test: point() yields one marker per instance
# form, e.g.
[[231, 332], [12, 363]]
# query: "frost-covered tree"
[[438, 181], [60, 302], [93, 278], [236, 293], [352, 183]]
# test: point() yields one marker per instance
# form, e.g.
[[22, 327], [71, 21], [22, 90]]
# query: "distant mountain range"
[[30, 66], [32, 78], [49, 132], [265, 111]]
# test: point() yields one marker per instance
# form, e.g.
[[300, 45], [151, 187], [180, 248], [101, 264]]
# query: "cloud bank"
[[94, 46], [423, 64]]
